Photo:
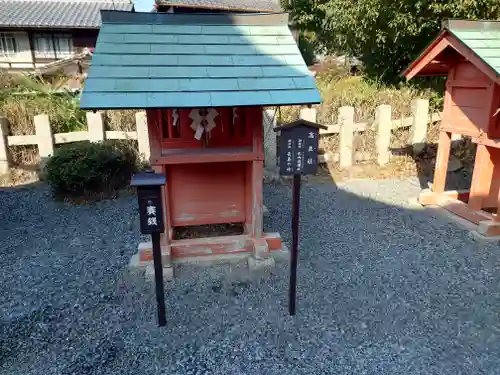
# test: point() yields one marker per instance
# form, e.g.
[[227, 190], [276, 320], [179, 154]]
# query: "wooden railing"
[[383, 126], [45, 139]]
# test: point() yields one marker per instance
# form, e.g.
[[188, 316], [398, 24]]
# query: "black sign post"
[[149, 186], [298, 156]]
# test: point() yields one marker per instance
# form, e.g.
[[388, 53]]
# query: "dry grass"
[[363, 96], [24, 156], [22, 98], [123, 120], [336, 86], [18, 176], [339, 89]]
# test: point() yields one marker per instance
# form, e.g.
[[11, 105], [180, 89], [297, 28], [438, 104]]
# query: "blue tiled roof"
[[151, 60]]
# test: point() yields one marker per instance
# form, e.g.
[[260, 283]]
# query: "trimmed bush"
[[85, 169]]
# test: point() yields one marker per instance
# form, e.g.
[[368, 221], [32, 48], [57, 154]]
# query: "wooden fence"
[[45, 139], [383, 125], [346, 128]]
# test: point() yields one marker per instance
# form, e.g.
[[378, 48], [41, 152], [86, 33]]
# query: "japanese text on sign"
[[299, 151], [151, 212]]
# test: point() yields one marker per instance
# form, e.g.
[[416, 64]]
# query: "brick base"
[[224, 245], [214, 250]]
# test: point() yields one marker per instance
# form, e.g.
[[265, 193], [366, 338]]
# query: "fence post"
[[95, 127], [420, 113], [44, 138], [308, 114], [383, 121], [141, 126], [4, 155], [270, 147], [346, 123]]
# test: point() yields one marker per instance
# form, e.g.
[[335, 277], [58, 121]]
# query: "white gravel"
[[383, 289]]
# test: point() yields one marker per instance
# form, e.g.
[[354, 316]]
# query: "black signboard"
[[149, 185], [298, 151], [298, 156], [150, 209]]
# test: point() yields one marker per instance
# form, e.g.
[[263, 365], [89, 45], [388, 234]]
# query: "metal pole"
[[160, 296], [295, 243]]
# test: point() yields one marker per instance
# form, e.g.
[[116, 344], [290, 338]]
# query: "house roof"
[[478, 40], [56, 14], [242, 5], [164, 60], [54, 66]]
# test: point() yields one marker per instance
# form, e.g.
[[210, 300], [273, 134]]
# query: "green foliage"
[[306, 47], [82, 169], [385, 35]]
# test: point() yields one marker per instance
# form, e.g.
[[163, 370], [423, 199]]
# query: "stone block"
[[489, 228], [261, 248]]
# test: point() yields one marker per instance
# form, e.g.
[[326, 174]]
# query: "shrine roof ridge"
[[470, 24], [246, 19]]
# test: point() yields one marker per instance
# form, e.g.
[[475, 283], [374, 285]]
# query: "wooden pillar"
[[418, 134], [383, 121], [45, 139], [142, 135], [481, 178], [443, 155], [256, 200], [270, 149], [154, 134], [4, 153], [346, 136], [255, 169], [95, 126]]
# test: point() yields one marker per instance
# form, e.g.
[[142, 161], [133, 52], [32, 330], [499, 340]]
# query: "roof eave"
[[49, 27], [451, 24], [415, 67], [104, 108], [444, 40]]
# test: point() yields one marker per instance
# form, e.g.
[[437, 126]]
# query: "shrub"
[[85, 169]]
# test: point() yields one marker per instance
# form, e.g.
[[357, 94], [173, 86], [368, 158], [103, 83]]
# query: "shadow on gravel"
[[384, 288]]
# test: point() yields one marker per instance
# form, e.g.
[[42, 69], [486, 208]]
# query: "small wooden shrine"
[[203, 80], [468, 53]]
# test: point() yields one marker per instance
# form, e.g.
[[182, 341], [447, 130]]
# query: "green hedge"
[[84, 169]]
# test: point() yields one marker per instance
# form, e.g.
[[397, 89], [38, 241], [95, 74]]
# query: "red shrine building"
[[468, 54], [203, 80]]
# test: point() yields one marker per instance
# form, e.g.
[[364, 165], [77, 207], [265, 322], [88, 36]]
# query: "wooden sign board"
[[298, 156], [150, 209], [149, 187], [299, 148]]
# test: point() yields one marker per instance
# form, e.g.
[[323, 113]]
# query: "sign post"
[[298, 156], [149, 186]]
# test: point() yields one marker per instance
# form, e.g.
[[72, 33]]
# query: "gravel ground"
[[383, 289]]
